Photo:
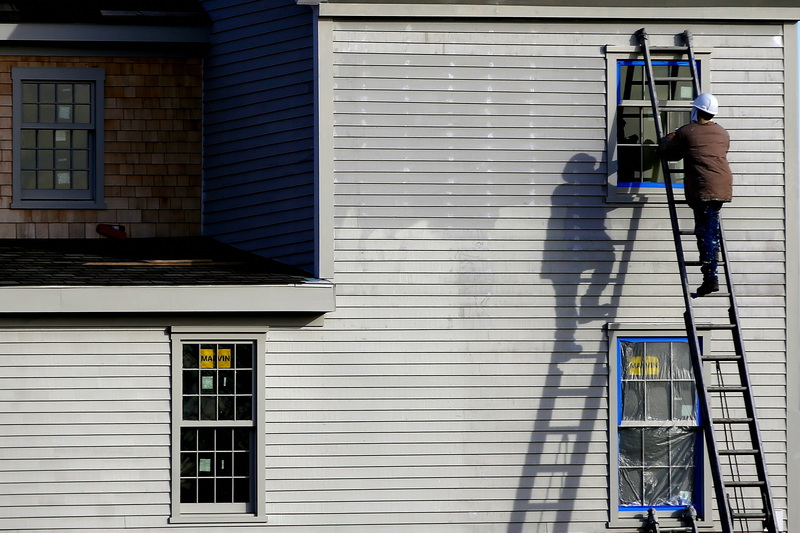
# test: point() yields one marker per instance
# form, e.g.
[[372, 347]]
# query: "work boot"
[[708, 286]]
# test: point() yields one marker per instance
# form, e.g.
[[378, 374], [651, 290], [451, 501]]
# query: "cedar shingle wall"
[[152, 151]]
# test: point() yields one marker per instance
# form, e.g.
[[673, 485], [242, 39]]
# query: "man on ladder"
[[708, 182]]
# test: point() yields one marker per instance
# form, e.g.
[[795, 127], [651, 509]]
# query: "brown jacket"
[[704, 149]]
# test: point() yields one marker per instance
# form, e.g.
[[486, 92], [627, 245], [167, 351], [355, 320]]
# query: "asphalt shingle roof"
[[129, 262]]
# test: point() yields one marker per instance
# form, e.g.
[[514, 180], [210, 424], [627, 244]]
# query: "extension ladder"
[[727, 407]]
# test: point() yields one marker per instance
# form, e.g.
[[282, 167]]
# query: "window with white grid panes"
[[217, 429], [57, 137]]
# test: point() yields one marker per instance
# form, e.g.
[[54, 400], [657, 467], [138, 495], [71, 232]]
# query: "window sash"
[[58, 104], [212, 470], [643, 478]]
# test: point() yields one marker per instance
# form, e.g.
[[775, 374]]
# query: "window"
[[218, 465], [657, 425], [658, 457], [58, 137], [634, 166]]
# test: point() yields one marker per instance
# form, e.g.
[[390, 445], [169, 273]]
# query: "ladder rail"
[[726, 513]]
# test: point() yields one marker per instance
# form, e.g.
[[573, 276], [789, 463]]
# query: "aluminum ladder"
[[727, 407]]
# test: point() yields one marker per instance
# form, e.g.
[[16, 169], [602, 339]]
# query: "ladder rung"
[[738, 452], [733, 420], [700, 263], [683, 49], [711, 327], [726, 389], [751, 516], [744, 484], [674, 78], [722, 358]]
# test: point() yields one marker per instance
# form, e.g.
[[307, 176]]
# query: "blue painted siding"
[[259, 129]]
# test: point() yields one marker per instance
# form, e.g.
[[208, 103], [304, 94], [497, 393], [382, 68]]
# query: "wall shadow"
[[587, 274]]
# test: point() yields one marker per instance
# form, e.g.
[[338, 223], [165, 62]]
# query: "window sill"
[[58, 204], [216, 519]]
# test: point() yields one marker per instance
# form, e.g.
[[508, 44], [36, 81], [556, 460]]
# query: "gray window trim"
[[93, 198], [614, 54], [219, 513], [635, 519]]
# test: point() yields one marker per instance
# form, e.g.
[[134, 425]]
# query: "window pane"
[[188, 491], [656, 486], [45, 179], [44, 139], [208, 408], [631, 491], [63, 180], [83, 114], [80, 139], [45, 158], [47, 92], [633, 406], [244, 356], [63, 159], [191, 382], [225, 404], [684, 405], [82, 93], [658, 400], [30, 93], [80, 180], [188, 439], [47, 113], [191, 409], [30, 113], [191, 358], [28, 179], [28, 158], [630, 447], [64, 92]]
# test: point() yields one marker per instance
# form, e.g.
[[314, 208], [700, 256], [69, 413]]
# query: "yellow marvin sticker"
[[647, 366], [224, 358], [207, 358]]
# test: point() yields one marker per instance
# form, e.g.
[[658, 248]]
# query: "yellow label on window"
[[207, 358], [224, 358], [643, 365]]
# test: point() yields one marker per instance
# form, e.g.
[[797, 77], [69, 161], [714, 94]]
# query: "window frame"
[[633, 517], [91, 198], [614, 55], [219, 512]]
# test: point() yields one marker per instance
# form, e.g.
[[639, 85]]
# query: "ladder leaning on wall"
[[727, 408]]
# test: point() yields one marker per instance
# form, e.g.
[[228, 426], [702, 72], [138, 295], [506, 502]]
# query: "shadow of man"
[[579, 259]]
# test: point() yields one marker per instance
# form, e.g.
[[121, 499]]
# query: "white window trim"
[[96, 76], [257, 335], [614, 54], [635, 519]]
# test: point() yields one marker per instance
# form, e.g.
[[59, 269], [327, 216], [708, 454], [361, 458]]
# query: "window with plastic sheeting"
[[659, 436]]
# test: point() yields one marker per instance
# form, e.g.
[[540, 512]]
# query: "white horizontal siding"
[[84, 427], [461, 385]]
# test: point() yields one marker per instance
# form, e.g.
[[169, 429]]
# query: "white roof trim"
[[576, 12], [312, 297], [88, 33]]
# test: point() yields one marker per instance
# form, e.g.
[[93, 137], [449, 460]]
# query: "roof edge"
[[416, 10], [313, 297], [99, 33]]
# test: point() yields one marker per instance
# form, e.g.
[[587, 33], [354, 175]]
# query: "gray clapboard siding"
[[259, 129], [84, 415], [455, 360]]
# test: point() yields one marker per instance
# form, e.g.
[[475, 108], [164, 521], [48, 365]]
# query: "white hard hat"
[[706, 102]]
